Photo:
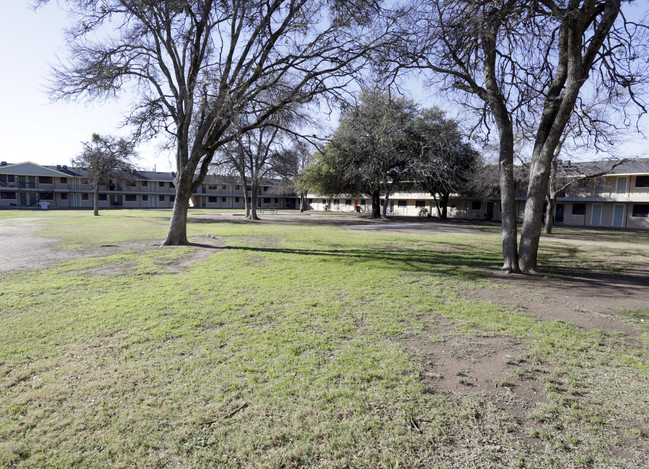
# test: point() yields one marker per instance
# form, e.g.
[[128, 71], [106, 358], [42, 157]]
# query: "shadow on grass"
[[469, 265]]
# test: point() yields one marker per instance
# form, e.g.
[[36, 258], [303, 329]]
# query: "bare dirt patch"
[[21, 249]]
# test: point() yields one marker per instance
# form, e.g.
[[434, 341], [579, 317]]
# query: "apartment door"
[[618, 216], [490, 211], [596, 219], [558, 213]]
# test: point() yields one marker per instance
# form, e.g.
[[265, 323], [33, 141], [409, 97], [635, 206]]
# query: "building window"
[[475, 205], [103, 197], [130, 198], [84, 181], [46, 196], [64, 180], [236, 199], [145, 198], [266, 201], [420, 203], [84, 196], [223, 199], [162, 197], [45, 179], [5, 178], [212, 199], [224, 187], [348, 201], [363, 202], [131, 183], [7, 195], [172, 198], [172, 185], [237, 187], [402, 203], [579, 209], [640, 210], [64, 196], [144, 183], [336, 202], [265, 188], [161, 184], [276, 201], [642, 181]]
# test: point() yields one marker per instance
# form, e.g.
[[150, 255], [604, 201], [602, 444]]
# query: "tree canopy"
[[198, 65], [385, 143], [105, 157]]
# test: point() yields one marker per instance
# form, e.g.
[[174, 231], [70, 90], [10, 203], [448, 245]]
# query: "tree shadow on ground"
[[469, 265]]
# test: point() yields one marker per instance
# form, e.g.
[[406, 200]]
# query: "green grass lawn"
[[291, 347]]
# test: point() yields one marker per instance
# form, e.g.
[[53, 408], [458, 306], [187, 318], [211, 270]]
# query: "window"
[[172, 185], [5, 178], [402, 203], [45, 179], [579, 209], [276, 201], [64, 196], [266, 201], [223, 199], [103, 197], [336, 202], [130, 198], [131, 183], [84, 196], [475, 205], [7, 195], [84, 181], [420, 203], [362, 202], [212, 187], [46, 196], [161, 184], [642, 181], [236, 199], [237, 187], [161, 197], [265, 188], [348, 201], [640, 210], [212, 199], [144, 183], [145, 198], [224, 187], [64, 180], [172, 198]]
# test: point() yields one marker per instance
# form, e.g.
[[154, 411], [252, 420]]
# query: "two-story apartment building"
[[29, 185], [619, 199]]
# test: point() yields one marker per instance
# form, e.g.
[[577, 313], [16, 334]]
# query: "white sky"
[[32, 128]]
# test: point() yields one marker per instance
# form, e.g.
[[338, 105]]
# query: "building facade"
[[29, 185], [619, 199]]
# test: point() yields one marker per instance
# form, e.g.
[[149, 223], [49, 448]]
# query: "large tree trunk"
[[95, 200], [253, 201], [177, 234], [508, 199], [303, 200], [386, 201], [376, 204], [444, 204], [549, 213]]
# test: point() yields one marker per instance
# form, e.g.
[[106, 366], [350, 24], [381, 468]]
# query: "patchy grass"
[[291, 347]]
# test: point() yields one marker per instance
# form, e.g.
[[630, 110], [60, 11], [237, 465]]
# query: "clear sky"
[[32, 128]]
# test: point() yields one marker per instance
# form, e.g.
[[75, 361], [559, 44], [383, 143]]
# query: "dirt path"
[[21, 249]]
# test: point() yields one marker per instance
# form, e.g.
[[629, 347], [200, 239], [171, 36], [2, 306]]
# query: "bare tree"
[[197, 66], [524, 63], [289, 162], [104, 157]]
